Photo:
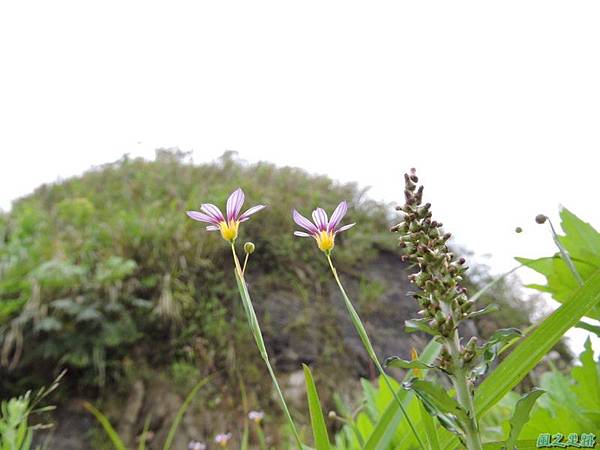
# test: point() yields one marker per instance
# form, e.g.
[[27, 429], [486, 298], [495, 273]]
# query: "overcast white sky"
[[496, 104]]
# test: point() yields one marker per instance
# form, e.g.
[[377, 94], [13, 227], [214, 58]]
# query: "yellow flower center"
[[325, 240], [229, 231], [414, 356]]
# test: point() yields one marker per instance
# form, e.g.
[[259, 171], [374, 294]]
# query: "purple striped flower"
[[196, 445], [223, 439], [322, 228], [228, 225], [256, 416]]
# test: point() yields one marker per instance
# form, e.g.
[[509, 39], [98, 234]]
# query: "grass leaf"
[[385, 429], [181, 411], [532, 349], [108, 428], [317, 420], [144, 435]]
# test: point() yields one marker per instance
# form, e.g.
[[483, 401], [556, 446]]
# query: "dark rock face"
[[298, 329], [71, 430], [312, 328]]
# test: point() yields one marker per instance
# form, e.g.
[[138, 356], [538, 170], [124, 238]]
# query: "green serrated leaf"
[[413, 325], [438, 403], [497, 341], [399, 363], [521, 416], [581, 240], [578, 259], [535, 346], [560, 282], [587, 377], [488, 309]]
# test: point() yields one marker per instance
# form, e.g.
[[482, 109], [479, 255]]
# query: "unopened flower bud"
[[249, 248], [518, 230], [439, 317], [413, 175], [419, 194], [540, 218], [472, 344]]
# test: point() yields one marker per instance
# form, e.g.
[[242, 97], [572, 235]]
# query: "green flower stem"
[[369, 348], [565, 254], [261, 437], [245, 263], [256, 332], [571, 265], [463, 393]]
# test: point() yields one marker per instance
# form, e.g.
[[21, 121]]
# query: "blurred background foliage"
[[106, 276]]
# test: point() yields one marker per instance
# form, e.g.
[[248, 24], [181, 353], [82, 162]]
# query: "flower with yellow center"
[[414, 356], [229, 230], [223, 439], [228, 225], [325, 240], [256, 416], [322, 229]]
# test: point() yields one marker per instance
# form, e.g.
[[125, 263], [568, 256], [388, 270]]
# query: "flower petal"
[[304, 222], [301, 234], [320, 218], [201, 217], [337, 215], [251, 211], [212, 211], [345, 227], [234, 204], [212, 228]]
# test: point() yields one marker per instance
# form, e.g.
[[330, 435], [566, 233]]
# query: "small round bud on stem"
[[518, 230], [249, 248], [541, 218]]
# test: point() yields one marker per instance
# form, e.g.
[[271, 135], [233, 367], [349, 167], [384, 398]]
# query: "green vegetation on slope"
[[106, 276], [104, 272]]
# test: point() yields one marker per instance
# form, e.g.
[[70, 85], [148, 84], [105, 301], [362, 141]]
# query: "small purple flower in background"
[[196, 445], [228, 225], [256, 416], [323, 230], [223, 439]]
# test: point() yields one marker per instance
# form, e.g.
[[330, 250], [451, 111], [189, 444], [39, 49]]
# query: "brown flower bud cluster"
[[443, 299]]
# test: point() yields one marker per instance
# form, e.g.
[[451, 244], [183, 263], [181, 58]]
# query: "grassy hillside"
[[106, 276], [105, 270]]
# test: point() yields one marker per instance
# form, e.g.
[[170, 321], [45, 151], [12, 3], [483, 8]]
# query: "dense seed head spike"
[[438, 275]]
